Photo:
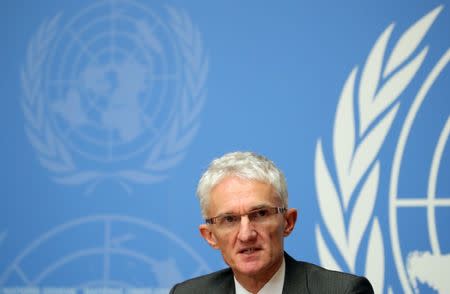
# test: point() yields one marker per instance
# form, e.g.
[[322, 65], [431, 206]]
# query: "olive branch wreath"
[[165, 154], [357, 140]]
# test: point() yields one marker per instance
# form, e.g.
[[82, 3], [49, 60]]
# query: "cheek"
[[226, 243], [275, 235]]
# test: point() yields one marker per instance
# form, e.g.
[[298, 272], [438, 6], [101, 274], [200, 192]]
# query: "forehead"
[[234, 194]]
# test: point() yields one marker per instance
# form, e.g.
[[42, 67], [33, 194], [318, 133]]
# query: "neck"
[[254, 283]]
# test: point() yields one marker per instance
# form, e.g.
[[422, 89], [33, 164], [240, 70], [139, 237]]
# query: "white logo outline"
[[112, 244], [431, 189], [54, 156], [357, 165]]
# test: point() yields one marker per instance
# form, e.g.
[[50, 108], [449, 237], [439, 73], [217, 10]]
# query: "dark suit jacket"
[[300, 277]]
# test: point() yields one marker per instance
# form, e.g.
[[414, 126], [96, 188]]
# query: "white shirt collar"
[[273, 286]]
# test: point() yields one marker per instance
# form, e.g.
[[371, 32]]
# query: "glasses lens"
[[259, 216], [227, 221]]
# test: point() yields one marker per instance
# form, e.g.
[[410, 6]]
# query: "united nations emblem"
[[423, 201], [364, 116], [113, 92], [116, 254]]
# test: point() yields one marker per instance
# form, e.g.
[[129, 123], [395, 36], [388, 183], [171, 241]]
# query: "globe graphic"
[[419, 212], [112, 80], [111, 251]]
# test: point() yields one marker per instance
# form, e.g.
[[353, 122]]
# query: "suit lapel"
[[227, 284], [295, 279]]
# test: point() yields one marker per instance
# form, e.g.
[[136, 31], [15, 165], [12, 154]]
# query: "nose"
[[246, 230]]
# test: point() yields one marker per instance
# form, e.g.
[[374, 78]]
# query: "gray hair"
[[245, 165]]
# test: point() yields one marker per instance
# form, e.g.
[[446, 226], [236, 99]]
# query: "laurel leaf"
[[91, 186], [370, 78], [155, 154], [28, 114], [196, 54], [186, 51], [393, 88], [179, 30], [184, 104], [183, 128], [325, 256], [167, 163], [31, 60], [197, 108], [55, 166], [193, 56], [173, 132], [50, 141], [36, 142], [140, 177], [190, 82], [126, 187], [370, 146], [78, 178], [149, 37], [187, 27], [183, 141], [372, 109], [39, 115], [363, 211], [374, 264], [410, 40], [64, 154], [196, 79], [40, 38], [330, 207], [344, 136], [53, 24], [29, 56], [174, 15], [31, 84], [202, 74], [24, 82]]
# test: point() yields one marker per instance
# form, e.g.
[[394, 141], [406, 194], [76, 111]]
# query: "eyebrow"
[[259, 207], [253, 208]]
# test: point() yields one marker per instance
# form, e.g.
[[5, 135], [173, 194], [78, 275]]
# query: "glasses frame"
[[271, 210]]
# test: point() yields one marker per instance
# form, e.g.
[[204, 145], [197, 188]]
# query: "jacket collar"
[[226, 285], [295, 279]]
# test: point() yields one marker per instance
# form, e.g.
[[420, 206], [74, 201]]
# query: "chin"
[[250, 268]]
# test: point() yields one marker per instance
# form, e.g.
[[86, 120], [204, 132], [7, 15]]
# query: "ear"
[[290, 220], [208, 235]]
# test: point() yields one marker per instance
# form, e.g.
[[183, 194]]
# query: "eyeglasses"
[[257, 216]]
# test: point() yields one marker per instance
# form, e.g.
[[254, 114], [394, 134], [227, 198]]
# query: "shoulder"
[[320, 280], [220, 280]]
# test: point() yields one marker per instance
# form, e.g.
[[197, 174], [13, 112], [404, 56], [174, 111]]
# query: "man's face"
[[251, 249]]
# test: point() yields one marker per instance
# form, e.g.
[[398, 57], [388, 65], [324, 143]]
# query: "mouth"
[[249, 250]]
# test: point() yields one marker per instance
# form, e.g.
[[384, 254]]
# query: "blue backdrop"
[[113, 109]]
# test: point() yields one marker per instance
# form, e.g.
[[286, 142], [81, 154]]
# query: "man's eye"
[[259, 214], [229, 219], [262, 212]]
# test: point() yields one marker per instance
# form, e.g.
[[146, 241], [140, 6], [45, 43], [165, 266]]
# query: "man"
[[244, 200]]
